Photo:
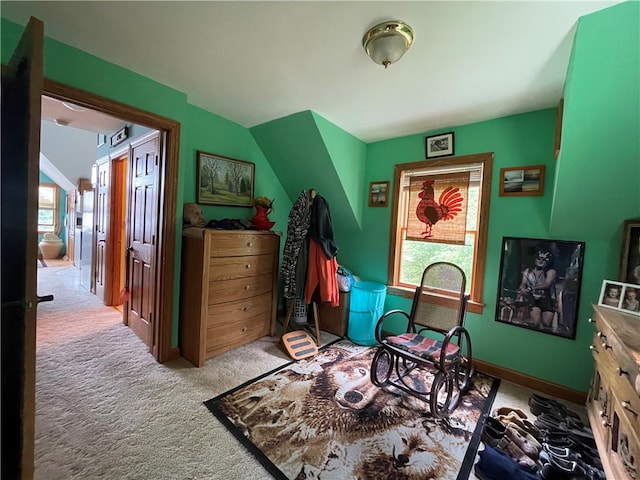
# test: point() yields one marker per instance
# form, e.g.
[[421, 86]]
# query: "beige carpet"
[[106, 410]]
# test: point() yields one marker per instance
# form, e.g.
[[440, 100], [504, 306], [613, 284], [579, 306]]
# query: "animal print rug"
[[322, 418]]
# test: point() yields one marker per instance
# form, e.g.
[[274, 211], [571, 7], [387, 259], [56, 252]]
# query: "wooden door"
[[142, 229], [22, 84], [102, 208], [71, 224], [117, 227]]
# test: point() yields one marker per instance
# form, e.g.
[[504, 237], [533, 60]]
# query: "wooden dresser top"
[[626, 328]]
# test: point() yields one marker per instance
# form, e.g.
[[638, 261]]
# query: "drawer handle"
[[602, 413], [244, 329], [606, 424], [627, 407], [593, 349], [249, 244], [247, 266], [245, 308], [247, 287], [601, 335], [621, 372], [590, 320], [605, 345]]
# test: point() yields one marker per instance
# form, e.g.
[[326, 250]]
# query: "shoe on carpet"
[[539, 404], [506, 444], [524, 440], [561, 469], [493, 431], [494, 464]]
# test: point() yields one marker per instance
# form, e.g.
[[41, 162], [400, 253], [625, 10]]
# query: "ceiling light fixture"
[[387, 42]]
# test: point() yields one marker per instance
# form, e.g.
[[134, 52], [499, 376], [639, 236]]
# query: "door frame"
[[165, 258]]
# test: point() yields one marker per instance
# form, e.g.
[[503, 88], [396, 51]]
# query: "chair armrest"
[[455, 332], [378, 328]]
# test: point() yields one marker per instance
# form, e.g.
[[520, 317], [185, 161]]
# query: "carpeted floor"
[[323, 418], [106, 409]]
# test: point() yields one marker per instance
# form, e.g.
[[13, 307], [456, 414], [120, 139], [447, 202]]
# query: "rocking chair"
[[432, 360]]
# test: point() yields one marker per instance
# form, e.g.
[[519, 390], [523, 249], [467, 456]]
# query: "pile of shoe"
[[569, 449], [554, 446]]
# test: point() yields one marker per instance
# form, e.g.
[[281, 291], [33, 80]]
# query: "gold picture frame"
[[224, 181], [522, 181]]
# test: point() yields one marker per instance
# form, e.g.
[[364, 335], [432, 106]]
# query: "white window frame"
[[55, 209]]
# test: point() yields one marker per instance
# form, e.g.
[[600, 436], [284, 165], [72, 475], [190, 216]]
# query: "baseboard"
[[542, 386]]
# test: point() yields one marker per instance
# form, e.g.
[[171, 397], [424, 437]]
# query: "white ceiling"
[[252, 62]]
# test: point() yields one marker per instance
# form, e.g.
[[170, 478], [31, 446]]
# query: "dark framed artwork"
[[630, 254], [378, 194], [522, 181], [539, 284], [224, 181], [439, 145]]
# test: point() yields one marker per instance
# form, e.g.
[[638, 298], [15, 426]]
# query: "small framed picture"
[[378, 194], [522, 181], [630, 255], [224, 181], [440, 145], [620, 296]]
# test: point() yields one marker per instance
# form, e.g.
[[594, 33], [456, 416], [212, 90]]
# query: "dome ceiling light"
[[387, 42]]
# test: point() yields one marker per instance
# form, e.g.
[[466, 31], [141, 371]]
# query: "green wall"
[[517, 140], [201, 130], [600, 151], [589, 191], [604, 64]]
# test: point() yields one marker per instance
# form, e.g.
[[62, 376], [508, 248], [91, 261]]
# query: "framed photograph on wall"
[[620, 296], [440, 145], [522, 181], [378, 194], [224, 181], [539, 284], [630, 255]]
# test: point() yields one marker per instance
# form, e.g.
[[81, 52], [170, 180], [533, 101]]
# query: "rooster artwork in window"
[[431, 212]]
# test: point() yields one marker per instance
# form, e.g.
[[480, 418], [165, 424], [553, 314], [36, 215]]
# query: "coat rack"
[[312, 194]]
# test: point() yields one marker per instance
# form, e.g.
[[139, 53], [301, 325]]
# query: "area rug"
[[322, 418]]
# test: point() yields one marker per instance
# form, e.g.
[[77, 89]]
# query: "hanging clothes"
[[321, 274], [321, 229], [297, 229]]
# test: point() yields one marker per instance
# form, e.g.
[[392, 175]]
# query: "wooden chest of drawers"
[[228, 291], [613, 404]]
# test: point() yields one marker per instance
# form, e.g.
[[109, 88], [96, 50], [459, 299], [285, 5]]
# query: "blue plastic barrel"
[[366, 307]]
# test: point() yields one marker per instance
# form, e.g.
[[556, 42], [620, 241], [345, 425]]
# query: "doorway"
[[163, 272]]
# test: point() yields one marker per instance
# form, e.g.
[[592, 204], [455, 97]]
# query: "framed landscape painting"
[[224, 181]]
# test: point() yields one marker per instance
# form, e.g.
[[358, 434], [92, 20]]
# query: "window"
[[48, 208], [419, 240]]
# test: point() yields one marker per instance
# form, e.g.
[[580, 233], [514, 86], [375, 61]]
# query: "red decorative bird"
[[428, 211]]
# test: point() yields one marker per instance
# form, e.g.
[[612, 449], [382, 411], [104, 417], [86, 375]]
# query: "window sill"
[[437, 299]]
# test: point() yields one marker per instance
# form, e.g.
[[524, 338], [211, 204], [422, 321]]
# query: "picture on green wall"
[[539, 285], [224, 181]]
